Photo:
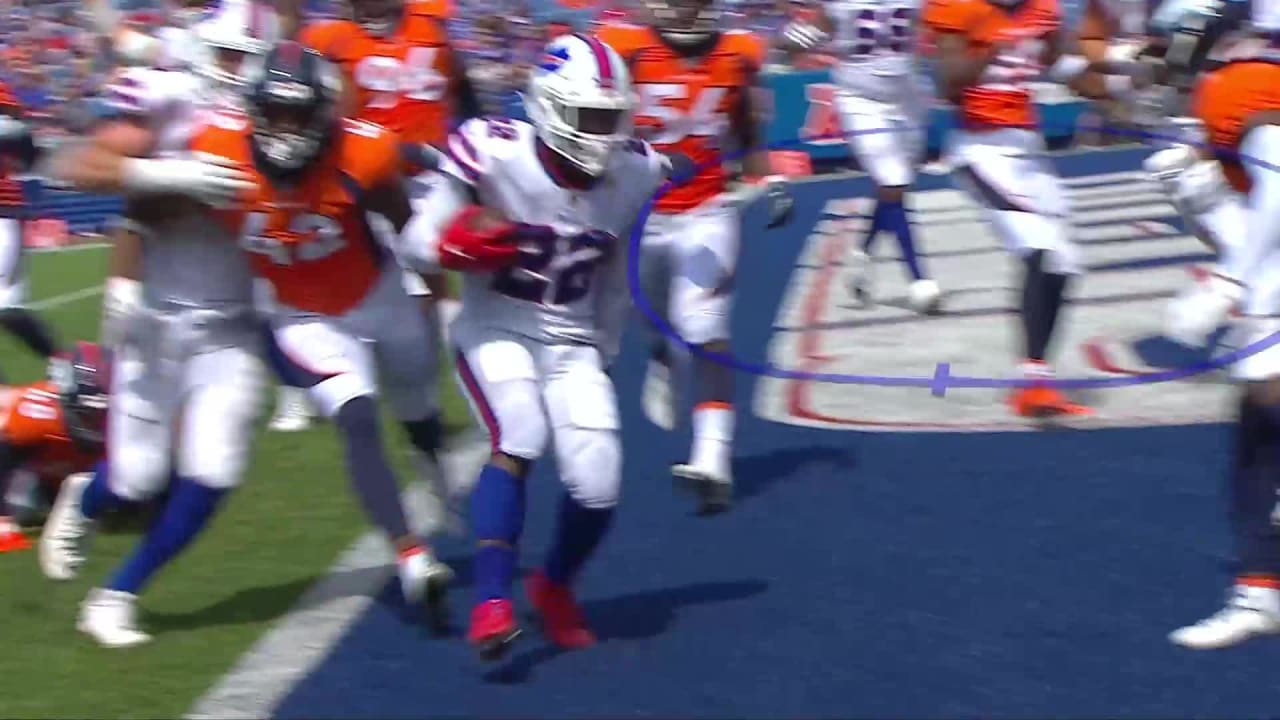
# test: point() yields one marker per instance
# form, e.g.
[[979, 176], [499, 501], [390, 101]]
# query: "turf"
[[279, 533]]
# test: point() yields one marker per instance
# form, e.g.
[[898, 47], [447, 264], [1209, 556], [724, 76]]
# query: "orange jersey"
[[1000, 98], [1225, 100], [686, 104], [312, 242], [402, 81], [31, 421], [10, 189]]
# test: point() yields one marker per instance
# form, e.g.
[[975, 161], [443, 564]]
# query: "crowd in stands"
[[57, 68]]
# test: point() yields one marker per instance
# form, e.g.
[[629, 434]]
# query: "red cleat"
[[493, 628], [13, 541], [562, 619]]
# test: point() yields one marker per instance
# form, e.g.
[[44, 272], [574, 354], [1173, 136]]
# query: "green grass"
[[277, 535]]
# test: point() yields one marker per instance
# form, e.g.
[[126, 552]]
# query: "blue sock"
[[190, 507], [894, 217], [497, 515], [877, 224], [579, 533], [98, 497]]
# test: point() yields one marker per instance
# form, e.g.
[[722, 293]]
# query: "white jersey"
[[875, 42], [188, 260], [575, 290]]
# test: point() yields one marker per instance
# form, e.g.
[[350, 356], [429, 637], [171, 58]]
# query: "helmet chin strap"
[[562, 170]]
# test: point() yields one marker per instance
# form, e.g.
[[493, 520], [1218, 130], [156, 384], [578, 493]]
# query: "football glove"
[[472, 243]]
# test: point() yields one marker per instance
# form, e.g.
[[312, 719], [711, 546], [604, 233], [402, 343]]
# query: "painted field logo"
[[1138, 258], [821, 120]]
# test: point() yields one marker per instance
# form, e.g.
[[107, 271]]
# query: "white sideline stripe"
[[65, 298], [67, 248], [269, 670]]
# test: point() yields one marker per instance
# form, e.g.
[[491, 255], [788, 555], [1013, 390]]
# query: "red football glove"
[[475, 243]]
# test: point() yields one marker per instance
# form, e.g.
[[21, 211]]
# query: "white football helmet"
[[581, 101], [231, 41]]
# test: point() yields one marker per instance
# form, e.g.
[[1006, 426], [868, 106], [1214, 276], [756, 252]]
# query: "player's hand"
[[216, 180], [680, 167], [121, 299], [777, 196], [210, 179]]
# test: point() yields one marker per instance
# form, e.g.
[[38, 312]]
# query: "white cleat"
[[714, 491], [293, 411], [1202, 308], [66, 531], [110, 618], [924, 296], [424, 580], [860, 277], [1250, 611], [659, 396]]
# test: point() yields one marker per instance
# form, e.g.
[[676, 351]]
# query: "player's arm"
[[129, 46], [115, 160], [292, 16], [122, 292], [747, 123], [959, 67], [466, 99]]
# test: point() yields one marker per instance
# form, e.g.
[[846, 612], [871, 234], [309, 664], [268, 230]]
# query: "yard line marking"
[[65, 298], [269, 670]]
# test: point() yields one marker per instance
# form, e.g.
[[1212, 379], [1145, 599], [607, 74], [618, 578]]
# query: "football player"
[[17, 154], [345, 328], [534, 216], [187, 365], [1238, 101], [52, 428], [402, 72], [987, 51], [1117, 60], [696, 87], [883, 109]]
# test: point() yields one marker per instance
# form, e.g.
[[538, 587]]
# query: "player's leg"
[[499, 377], [138, 442], [337, 369], [409, 364], [11, 476], [582, 407], [1214, 213], [1253, 605], [660, 394], [1022, 199], [223, 394], [706, 258], [293, 411], [885, 143], [14, 316]]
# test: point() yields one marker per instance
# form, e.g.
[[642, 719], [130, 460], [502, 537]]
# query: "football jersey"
[[1225, 100], [686, 103], [402, 81], [186, 259], [1000, 97], [31, 420], [554, 295], [312, 242], [10, 188], [169, 103], [875, 41]]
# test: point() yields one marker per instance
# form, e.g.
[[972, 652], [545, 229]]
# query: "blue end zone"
[[908, 575]]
